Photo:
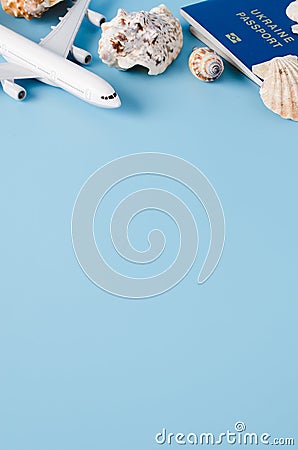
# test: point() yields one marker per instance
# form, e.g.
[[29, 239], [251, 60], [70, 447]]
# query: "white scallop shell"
[[292, 11], [151, 39], [205, 64], [279, 90]]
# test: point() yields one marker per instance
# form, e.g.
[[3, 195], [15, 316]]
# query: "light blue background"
[[81, 369]]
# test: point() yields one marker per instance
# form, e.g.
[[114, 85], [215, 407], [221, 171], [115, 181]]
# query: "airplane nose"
[[113, 102], [117, 102], [110, 101]]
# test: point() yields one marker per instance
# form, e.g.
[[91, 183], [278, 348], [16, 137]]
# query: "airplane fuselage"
[[52, 68]]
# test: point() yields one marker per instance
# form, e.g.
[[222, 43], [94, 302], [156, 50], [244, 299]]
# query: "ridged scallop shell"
[[292, 11], [279, 90], [152, 39], [28, 9], [205, 64]]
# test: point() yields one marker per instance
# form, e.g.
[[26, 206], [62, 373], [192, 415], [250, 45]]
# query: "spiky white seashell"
[[151, 39], [205, 64], [279, 90], [292, 11]]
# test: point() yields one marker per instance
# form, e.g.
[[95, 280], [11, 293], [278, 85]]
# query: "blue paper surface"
[[83, 369]]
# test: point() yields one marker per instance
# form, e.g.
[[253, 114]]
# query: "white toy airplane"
[[47, 61]]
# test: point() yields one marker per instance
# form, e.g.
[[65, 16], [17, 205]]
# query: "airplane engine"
[[95, 18], [14, 90], [81, 55]]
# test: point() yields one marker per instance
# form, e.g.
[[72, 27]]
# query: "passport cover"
[[246, 32]]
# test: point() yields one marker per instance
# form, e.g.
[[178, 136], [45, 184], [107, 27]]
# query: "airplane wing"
[[60, 40], [12, 71]]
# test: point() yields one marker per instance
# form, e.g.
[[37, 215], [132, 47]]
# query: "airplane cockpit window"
[[110, 97]]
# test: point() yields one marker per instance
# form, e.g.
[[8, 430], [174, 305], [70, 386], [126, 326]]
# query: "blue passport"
[[245, 32]]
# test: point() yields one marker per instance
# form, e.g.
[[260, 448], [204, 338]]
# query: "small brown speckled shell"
[[205, 64], [28, 9]]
